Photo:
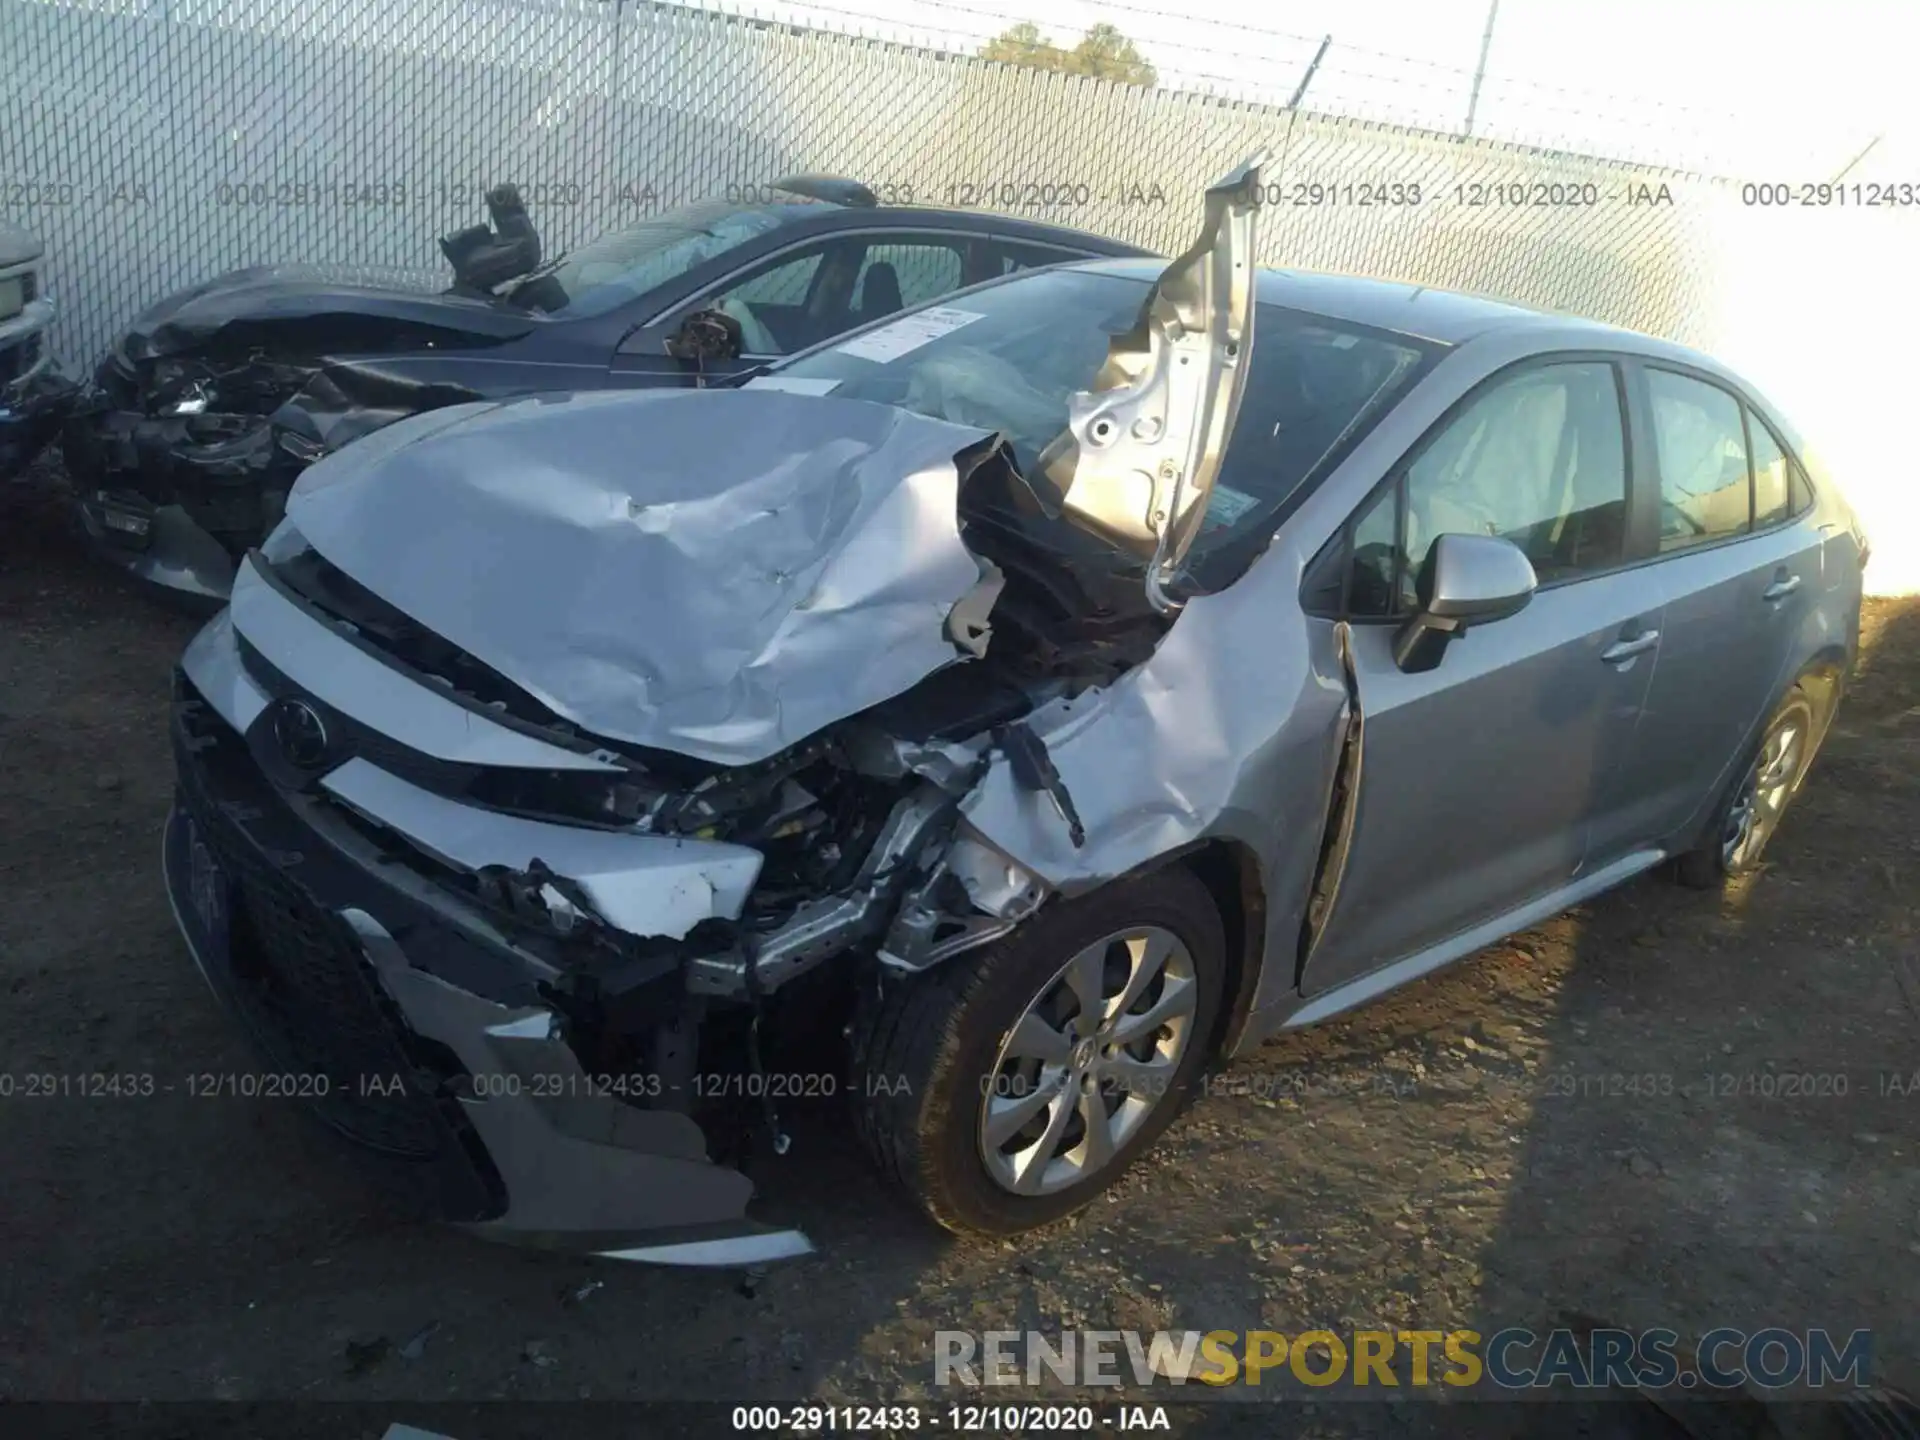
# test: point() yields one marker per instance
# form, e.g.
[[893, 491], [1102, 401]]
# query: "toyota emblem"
[[300, 733]]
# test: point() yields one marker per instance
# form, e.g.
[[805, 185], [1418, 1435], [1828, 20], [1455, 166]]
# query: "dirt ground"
[[1455, 1156]]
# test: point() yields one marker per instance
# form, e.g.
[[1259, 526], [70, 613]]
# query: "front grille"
[[297, 976], [303, 988]]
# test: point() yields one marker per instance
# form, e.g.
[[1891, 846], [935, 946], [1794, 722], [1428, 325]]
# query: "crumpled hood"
[[253, 301], [714, 572]]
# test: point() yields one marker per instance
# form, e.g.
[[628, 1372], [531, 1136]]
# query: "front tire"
[[1749, 813], [1006, 1090]]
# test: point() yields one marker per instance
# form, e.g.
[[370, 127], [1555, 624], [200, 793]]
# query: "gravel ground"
[[1455, 1156]]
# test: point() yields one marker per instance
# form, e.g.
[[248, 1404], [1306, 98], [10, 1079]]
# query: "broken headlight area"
[[256, 386], [185, 433]]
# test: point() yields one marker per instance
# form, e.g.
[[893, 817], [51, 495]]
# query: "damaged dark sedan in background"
[[213, 401], [1050, 690], [34, 394]]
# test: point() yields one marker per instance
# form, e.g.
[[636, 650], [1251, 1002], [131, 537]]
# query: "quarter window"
[[1378, 574], [1770, 500], [1705, 487], [1802, 491]]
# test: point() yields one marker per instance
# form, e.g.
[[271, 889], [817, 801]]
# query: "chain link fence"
[[155, 144]]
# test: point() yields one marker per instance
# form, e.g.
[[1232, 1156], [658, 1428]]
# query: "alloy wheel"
[[1093, 1054], [1763, 794]]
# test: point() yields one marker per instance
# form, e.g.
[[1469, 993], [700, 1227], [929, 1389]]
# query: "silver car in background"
[[1059, 687], [35, 395]]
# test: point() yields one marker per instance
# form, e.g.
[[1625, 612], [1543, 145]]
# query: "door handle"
[[1626, 649], [1780, 589]]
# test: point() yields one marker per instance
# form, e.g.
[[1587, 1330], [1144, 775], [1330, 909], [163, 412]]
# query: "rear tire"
[[978, 1085], [1749, 813]]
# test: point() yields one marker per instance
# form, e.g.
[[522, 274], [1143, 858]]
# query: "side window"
[[785, 284], [1771, 503], [1705, 491], [898, 277], [771, 305], [1539, 459]]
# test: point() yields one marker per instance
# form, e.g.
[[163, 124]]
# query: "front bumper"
[[35, 397], [416, 1030], [160, 545], [173, 499]]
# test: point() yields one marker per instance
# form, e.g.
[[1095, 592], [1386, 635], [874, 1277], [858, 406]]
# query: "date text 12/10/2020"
[[1015, 1419]]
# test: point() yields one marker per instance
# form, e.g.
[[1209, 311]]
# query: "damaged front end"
[[34, 395], [551, 749], [556, 885]]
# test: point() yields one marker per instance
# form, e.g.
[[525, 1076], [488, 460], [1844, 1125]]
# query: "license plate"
[[202, 895]]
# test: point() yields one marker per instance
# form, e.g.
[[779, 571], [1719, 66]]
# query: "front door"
[[1479, 779], [804, 297]]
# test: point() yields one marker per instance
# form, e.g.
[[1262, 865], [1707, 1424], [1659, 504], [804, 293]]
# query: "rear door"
[[1736, 572], [1478, 779]]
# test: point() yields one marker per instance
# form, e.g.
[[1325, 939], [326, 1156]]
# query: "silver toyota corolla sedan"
[[1042, 695]]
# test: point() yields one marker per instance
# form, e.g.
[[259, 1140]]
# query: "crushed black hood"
[[310, 309]]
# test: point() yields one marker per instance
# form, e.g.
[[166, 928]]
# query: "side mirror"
[[1466, 580], [706, 335]]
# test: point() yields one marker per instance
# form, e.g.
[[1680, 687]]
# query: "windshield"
[[1007, 358], [619, 267]]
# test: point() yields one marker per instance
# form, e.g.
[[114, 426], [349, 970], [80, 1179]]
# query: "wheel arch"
[[1824, 677], [1230, 871]]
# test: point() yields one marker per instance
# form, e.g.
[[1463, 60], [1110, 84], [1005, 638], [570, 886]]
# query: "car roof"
[[1446, 316]]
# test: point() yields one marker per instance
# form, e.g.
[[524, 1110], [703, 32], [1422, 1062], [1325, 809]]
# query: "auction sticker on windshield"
[[909, 332]]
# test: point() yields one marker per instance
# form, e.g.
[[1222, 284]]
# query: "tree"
[[1103, 52], [1025, 45]]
